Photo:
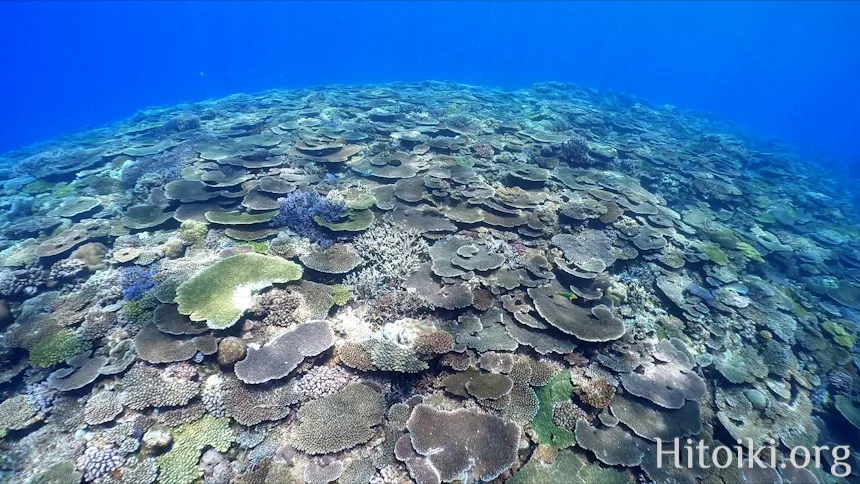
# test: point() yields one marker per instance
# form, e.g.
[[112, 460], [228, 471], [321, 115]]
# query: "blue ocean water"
[[784, 69]]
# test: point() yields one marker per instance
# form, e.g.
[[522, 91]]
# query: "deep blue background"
[[788, 69]]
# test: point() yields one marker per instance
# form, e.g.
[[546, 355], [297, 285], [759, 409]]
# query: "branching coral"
[[392, 253], [297, 212], [137, 280]]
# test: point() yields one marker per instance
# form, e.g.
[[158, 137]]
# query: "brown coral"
[[596, 392], [434, 343]]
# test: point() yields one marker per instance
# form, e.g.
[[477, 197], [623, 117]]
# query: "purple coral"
[[136, 280], [298, 210], [483, 150]]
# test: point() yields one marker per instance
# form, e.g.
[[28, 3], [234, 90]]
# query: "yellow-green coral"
[[260, 247], [715, 254], [221, 293], [724, 236], [765, 218], [37, 187], [135, 312], [66, 190], [193, 231], [749, 252], [179, 465], [57, 348], [340, 294], [840, 334]]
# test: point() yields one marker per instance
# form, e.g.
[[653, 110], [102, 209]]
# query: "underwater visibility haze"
[[395, 242]]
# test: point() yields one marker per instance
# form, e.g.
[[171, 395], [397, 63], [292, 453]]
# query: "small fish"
[[571, 296], [367, 173], [331, 178]]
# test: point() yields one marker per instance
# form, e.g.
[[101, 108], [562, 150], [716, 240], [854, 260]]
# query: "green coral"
[[220, 294], [569, 468], [559, 389], [193, 231], [840, 334], [340, 294], [350, 221], [37, 187], [723, 235], [715, 254], [765, 218], [179, 465], [260, 247], [57, 348], [256, 247], [239, 218], [749, 252], [135, 312], [362, 201], [465, 162], [66, 190]]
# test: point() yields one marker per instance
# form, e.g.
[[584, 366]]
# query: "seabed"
[[424, 283]]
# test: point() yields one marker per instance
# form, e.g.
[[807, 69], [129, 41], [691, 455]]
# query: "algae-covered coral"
[[420, 282]]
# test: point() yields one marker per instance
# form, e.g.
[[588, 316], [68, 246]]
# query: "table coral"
[[221, 293]]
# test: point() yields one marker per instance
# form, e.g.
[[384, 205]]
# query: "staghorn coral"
[[137, 280], [298, 210], [391, 252]]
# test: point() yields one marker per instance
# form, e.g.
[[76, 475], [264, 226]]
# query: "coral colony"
[[425, 283]]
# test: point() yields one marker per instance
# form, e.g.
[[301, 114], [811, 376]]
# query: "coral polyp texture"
[[422, 283]]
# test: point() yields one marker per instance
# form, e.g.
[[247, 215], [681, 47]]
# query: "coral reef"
[[423, 282]]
